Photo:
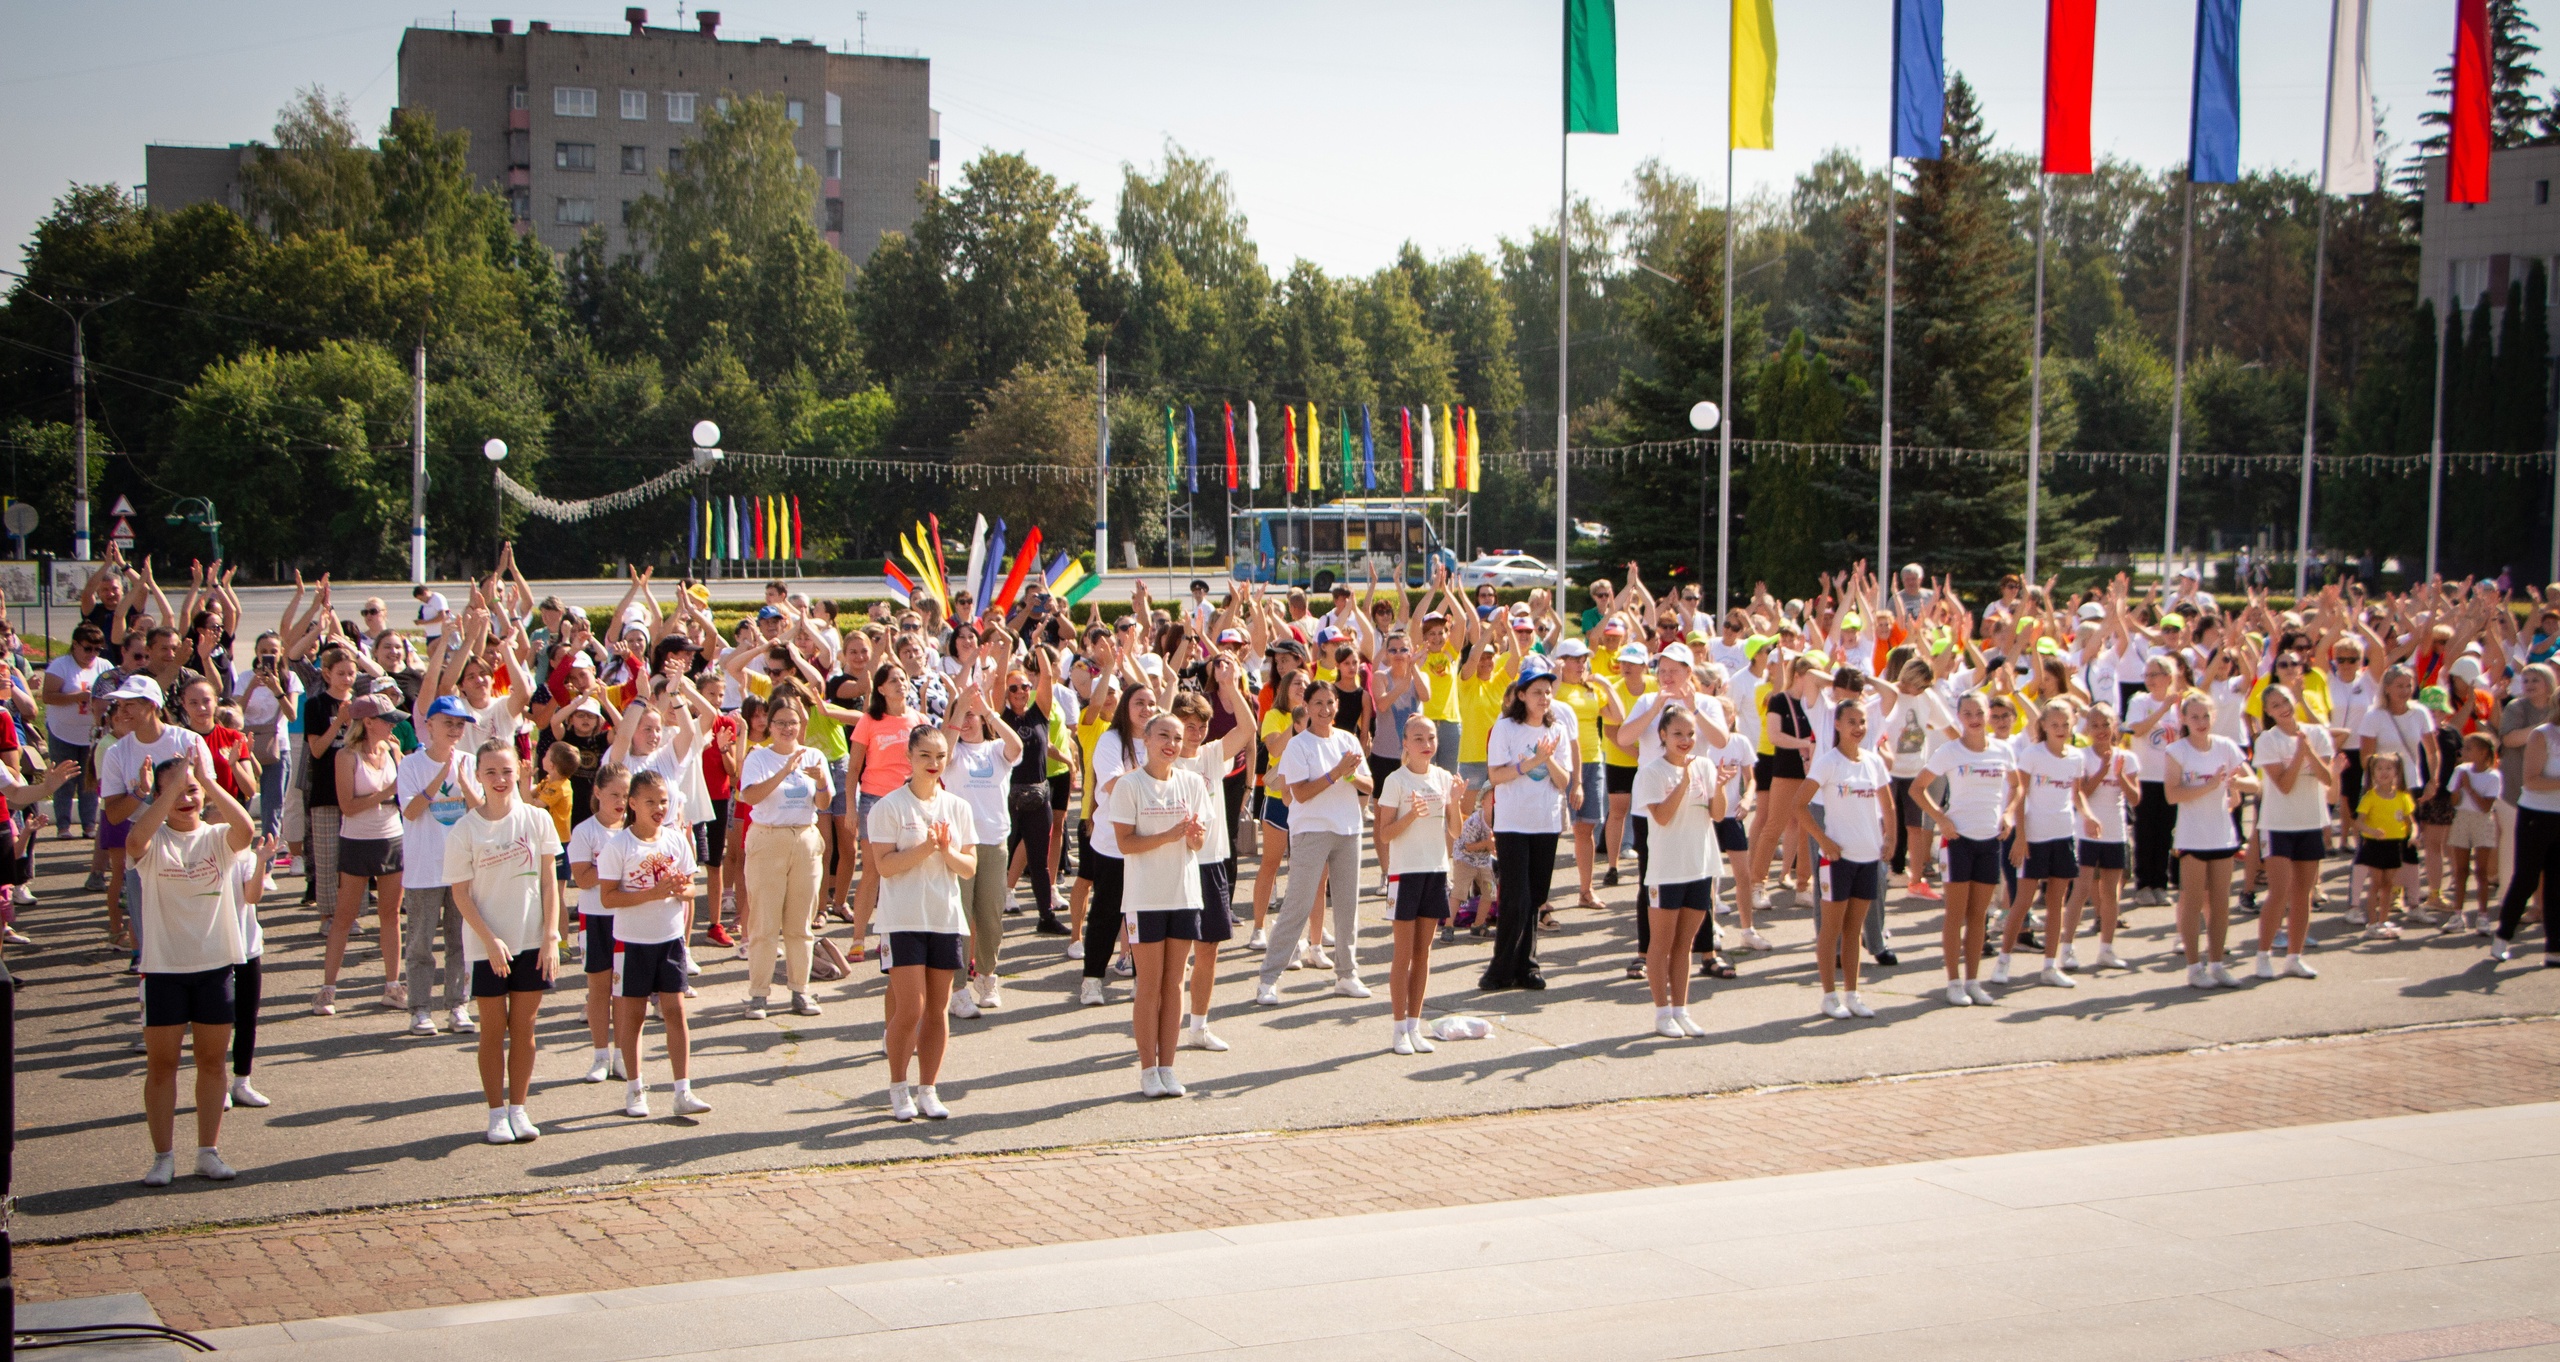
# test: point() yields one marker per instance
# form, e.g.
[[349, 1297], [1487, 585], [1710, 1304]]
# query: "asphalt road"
[[365, 1116]]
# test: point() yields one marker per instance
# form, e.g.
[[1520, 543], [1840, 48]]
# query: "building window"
[[516, 98], [635, 160], [2470, 280], [520, 205], [835, 109], [571, 101], [721, 102], [575, 212], [835, 163], [797, 111], [626, 211], [835, 215], [675, 160], [2541, 192], [573, 156], [635, 104], [679, 106], [519, 148]]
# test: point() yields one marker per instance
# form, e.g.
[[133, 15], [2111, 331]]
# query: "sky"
[[1347, 128]]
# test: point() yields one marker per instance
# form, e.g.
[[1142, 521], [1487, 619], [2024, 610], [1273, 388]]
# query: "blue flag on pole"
[[2213, 136], [1368, 452], [1919, 78], [1191, 445], [692, 527]]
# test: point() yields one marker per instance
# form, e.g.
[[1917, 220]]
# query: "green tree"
[[1036, 416], [323, 432], [317, 177], [1791, 517]]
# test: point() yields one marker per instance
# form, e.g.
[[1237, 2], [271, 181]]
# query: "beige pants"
[[982, 895], [784, 865]]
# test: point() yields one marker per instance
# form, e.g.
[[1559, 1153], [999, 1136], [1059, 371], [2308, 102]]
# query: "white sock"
[[604, 1054]]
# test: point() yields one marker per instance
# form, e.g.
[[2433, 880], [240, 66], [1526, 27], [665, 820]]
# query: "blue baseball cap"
[[450, 706]]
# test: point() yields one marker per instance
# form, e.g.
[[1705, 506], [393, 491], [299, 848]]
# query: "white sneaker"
[[2053, 977], [600, 1070], [209, 1165], [902, 1102], [1858, 1006], [1074, 949], [1200, 1037], [1256, 942], [690, 1103], [1665, 1023], [2300, 968], [464, 1023], [962, 1005], [1956, 996], [2108, 959], [2000, 969], [802, 1005], [2197, 978], [164, 1170], [2266, 966], [1403, 1043], [1349, 986], [501, 1130], [245, 1095], [1148, 1084], [1833, 1008], [929, 1103], [2070, 959], [1171, 1086], [1319, 958], [1266, 996], [1421, 1039], [1091, 994], [2355, 917], [1752, 940], [422, 1024], [692, 966], [755, 1010], [992, 996], [522, 1123], [1688, 1025], [635, 1099], [2501, 949], [2221, 977], [1981, 996]]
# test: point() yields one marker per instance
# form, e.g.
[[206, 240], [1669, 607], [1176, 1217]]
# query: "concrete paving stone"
[[1127, 1333], [639, 1331], [2509, 1228], [2136, 1331], [1392, 1346], [2314, 1201], [2355, 1306], [1950, 1242], [1732, 1322], [2252, 1158], [1422, 1298], [2191, 1266]]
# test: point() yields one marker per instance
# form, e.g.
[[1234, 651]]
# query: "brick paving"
[[675, 1231]]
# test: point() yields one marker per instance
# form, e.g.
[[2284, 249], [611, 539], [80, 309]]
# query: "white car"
[[1506, 570]]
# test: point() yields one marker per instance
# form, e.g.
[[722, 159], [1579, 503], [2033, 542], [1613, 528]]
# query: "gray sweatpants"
[[1311, 855], [422, 913]]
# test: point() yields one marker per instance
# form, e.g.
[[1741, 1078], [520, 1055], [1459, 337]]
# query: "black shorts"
[[1618, 779], [1380, 768], [1731, 836], [1178, 924], [1217, 899], [1696, 896], [2053, 860], [369, 857], [711, 836], [2216, 854], [1973, 860], [1764, 768], [652, 967], [2101, 855], [1061, 796], [2384, 853], [2307, 845], [933, 950], [598, 955], [1421, 894], [1904, 805], [1846, 880], [524, 975], [202, 998], [2351, 784], [1786, 764]]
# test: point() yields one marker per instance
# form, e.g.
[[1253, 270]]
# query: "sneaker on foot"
[[1752, 940], [1833, 1008], [1266, 996], [501, 1130], [600, 1070], [1956, 996], [2070, 959], [902, 1102], [718, 935], [522, 1124], [1922, 889], [635, 1099], [1319, 958], [1256, 942], [2266, 966], [690, 1103], [464, 1023], [209, 1164], [245, 1095], [1148, 1084], [962, 1005], [2222, 977], [1981, 996], [1403, 1043], [2000, 969], [2501, 949], [2197, 978], [164, 1169], [929, 1103], [2300, 968], [992, 997], [422, 1024], [1171, 1085], [1858, 1006], [2382, 931], [2108, 959], [2053, 977], [802, 1005], [1200, 1037], [753, 1011], [1349, 986], [1688, 1026], [1122, 967], [1090, 995], [1665, 1023]]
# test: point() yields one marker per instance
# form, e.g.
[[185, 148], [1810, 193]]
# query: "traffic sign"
[[122, 508], [122, 535], [20, 518]]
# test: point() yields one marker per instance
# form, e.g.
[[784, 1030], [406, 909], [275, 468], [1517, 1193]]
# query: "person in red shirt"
[[234, 769], [711, 839]]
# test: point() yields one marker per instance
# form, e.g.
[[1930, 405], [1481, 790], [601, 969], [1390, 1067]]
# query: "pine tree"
[[2471, 387], [2523, 369], [1790, 516]]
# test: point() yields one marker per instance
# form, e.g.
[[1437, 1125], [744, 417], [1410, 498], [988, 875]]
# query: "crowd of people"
[[507, 785]]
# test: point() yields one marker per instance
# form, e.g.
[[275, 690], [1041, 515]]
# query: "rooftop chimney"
[[710, 21], [637, 17], [502, 27], [538, 26]]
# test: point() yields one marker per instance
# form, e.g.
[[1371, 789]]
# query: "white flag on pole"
[[2346, 162], [1430, 455], [1252, 447]]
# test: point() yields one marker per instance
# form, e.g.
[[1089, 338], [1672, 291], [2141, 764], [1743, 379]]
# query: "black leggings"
[[1028, 805], [1524, 867], [1102, 912], [2155, 822], [2537, 867], [244, 1016]]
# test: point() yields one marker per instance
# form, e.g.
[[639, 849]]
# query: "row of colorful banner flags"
[[990, 585], [736, 529], [1444, 456]]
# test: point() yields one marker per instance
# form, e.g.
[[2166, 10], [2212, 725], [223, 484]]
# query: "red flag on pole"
[[1290, 444], [1404, 438], [1231, 446], [799, 529], [2070, 59], [2466, 162]]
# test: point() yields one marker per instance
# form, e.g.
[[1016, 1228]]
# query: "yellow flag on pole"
[[1755, 75], [1475, 455], [1315, 456]]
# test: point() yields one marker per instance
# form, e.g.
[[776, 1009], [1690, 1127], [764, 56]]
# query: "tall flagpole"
[[2035, 379], [1724, 403], [2178, 382], [1884, 455], [2310, 408], [2435, 439], [1564, 295]]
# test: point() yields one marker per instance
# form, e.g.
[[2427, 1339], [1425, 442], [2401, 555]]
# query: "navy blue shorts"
[[933, 950], [1217, 898], [1731, 836], [2296, 846], [524, 975], [2101, 855], [202, 998], [1175, 924], [652, 967], [2382, 853], [1696, 896], [1275, 811], [2215, 854], [1421, 894], [598, 951], [1846, 880], [2051, 860], [1973, 860]]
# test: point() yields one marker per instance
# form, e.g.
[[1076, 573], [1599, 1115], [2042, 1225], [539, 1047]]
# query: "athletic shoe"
[[1266, 996], [1122, 967], [501, 1130], [1073, 948], [689, 1103], [1922, 889], [1833, 1008], [2107, 957], [929, 1103], [753, 1011], [209, 1165], [1148, 1084], [2222, 977], [1688, 1026], [992, 996], [635, 1099], [522, 1124], [1887, 959], [97, 884], [1091, 994], [802, 1005], [1403, 1044], [2300, 968], [2355, 917], [1664, 1024], [2197, 978], [1858, 1006], [1421, 1039], [1981, 996], [1956, 996], [422, 1024], [245, 1095], [601, 1070], [2070, 959], [2382, 931], [395, 996], [1171, 1085], [1610, 880], [2000, 969], [325, 1002], [962, 1005], [902, 1102], [2053, 977], [1349, 986], [1200, 1037], [1256, 942], [691, 992], [464, 1022], [2501, 949], [164, 1169], [718, 935], [1752, 940], [1320, 958], [1049, 925], [2266, 966]]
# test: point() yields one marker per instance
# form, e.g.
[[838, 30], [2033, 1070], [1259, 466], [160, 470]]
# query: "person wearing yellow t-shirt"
[[1440, 665], [1483, 677], [1629, 682], [1586, 696]]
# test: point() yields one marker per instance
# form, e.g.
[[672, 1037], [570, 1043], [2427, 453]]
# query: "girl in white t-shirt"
[[2052, 817], [498, 862], [2112, 778], [2297, 773], [1211, 762], [2476, 785], [1682, 796], [1981, 775], [611, 794], [1160, 814], [922, 842], [1855, 787], [2205, 775], [1419, 815], [192, 935]]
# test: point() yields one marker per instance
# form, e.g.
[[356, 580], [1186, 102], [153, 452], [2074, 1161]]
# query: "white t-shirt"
[[190, 910], [670, 770], [2204, 823], [259, 707], [492, 722], [2052, 779], [1210, 764], [1914, 731], [796, 801], [634, 863], [1644, 719], [2230, 718], [586, 843], [979, 774], [71, 722], [2467, 781], [506, 861], [1166, 879], [2349, 700], [1977, 784], [1311, 757], [1735, 761], [1110, 759], [451, 786], [253, 938], [2106, 802], [2306, 809], [1849, 800], [2408, 733], [1421, 846], [926, 898], [1531, 803], [1682, 850], [120, 772], [2152, 748]]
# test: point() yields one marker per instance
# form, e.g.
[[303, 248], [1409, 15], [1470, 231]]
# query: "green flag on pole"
[[1590, 65], [1172, 454]]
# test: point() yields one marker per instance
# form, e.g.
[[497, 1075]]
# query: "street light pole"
[[79, 316]]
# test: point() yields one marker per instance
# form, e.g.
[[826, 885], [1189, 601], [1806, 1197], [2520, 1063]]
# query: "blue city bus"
[[1313, 546]]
